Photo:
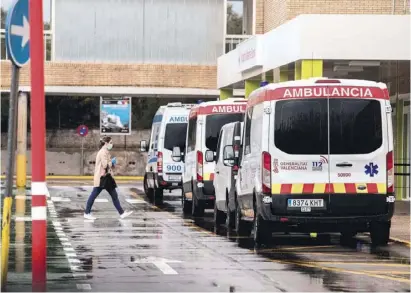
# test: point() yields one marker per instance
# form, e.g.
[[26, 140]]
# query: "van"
[[225, 176], [168, 130], [205, 122], [317, 156]]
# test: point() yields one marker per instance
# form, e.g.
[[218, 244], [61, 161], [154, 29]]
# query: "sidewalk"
[[400, 224]]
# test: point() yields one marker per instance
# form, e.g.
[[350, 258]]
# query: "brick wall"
[[276, 12], [105, 74]]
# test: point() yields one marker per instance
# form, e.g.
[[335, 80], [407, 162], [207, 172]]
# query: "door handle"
[[217, 172], [344, 164]]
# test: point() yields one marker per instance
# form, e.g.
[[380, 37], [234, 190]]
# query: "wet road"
[[158, 249]]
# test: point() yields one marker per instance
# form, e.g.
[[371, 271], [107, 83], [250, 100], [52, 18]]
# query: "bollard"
[[21, 140]]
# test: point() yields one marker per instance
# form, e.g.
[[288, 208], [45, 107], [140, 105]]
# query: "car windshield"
[[301, 126], [175, 136], [214, 123]]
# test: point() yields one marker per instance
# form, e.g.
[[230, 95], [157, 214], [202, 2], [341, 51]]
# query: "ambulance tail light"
[[266, 173], [390, 172], [160, 162], [199, 166]]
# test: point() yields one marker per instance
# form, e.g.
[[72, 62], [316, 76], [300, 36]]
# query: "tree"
[[234, 21]]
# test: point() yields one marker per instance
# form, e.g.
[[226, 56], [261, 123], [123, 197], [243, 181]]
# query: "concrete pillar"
[[226, 93], [308, 68], [399, 149], [280, 74], [250, 86]]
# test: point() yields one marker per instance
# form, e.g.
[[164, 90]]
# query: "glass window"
[[355, 126], [175, 136], [301, 126], [214, 123], [192, 129], [247, 134]]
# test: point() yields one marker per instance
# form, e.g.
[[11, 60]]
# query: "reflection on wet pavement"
[[159, 249]]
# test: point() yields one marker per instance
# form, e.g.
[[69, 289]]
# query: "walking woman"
[[103, 179]]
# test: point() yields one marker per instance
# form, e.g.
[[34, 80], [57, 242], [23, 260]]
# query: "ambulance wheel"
[[380, 233], [148, 191], [158, 196], [242, 227], [261, 232], [347, 237], [186, 204], [230, 217], [197, 208], [219, 216]]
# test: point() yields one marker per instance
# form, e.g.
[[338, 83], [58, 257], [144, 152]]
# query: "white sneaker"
[[126, 214], [89, 217]]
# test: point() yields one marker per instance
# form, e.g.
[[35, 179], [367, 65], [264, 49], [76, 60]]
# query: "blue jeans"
[[96, 191]]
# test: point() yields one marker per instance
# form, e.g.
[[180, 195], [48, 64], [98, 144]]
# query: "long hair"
[[103, 141]]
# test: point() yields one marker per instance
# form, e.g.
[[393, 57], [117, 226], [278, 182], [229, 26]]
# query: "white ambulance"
[[168, 130], [205, 123], [317, 156]]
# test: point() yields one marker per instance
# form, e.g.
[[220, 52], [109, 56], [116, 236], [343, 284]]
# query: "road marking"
[[71, 254], [60, 199], [338, 270], [56, 224], [133, 200], [101, 200], [22, 219], [83, 287], [389, 272], [368, 263], [296, 248], [160, 263], [407, 243]]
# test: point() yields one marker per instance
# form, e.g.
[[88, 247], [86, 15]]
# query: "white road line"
[[83, 287], [132, 200], [79, 275], [62, 239], [74, 260], [60, 199], [165, 268], [101, 200], [22, 219], [71, 254], [56, 224]]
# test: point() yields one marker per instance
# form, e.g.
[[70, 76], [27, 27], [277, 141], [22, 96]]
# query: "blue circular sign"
[[18, 33], [82, 130]]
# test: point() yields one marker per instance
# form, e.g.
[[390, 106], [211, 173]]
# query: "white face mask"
[[109, 146]]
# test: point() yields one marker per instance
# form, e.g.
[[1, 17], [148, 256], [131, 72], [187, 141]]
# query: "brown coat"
[[103, 160]]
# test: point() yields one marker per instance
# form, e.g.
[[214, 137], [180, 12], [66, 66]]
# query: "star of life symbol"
[[371, 169]]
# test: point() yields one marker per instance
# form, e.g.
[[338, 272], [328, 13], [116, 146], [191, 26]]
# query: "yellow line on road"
[[389, 272], [338, 270], [407, 243], [368, 263], [297, 247]]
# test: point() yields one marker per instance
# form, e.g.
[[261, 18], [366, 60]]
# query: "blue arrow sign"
[[18, 32]]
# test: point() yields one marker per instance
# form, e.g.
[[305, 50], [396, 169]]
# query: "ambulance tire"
[[219, 216], [347, 237], [380, 233], [185, 203], [197, 207], [261, 233], [158, 196], [242, 227], [230, 217], [148, 191]]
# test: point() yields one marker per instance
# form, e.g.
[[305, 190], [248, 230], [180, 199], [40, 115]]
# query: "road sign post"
[[17, 44], [38, 148], [82, 130]]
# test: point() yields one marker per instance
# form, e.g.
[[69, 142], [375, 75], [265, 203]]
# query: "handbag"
[[107, 181]]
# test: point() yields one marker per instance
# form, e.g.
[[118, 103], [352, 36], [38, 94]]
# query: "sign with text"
[[115, 115], [250, 53]]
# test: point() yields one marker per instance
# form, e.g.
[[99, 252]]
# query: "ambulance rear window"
[[301, 126], [355, 126], [214, 123], [175, 136]]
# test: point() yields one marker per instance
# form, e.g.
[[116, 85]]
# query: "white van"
[[317, 157], [205, 122], [168, 130], [225, 176]]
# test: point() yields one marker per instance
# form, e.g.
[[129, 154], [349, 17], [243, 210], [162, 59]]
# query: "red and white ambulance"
[[204, 125], [317, 156]]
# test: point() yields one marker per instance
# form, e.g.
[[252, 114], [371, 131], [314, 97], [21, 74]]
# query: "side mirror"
[[143, 146], [176, 155], [228, 156], [209, 156]]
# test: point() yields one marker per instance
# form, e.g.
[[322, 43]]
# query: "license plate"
[[174, 177], [309, 203]]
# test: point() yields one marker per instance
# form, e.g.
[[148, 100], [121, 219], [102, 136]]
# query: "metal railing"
[[47, 45], [232, 41]]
